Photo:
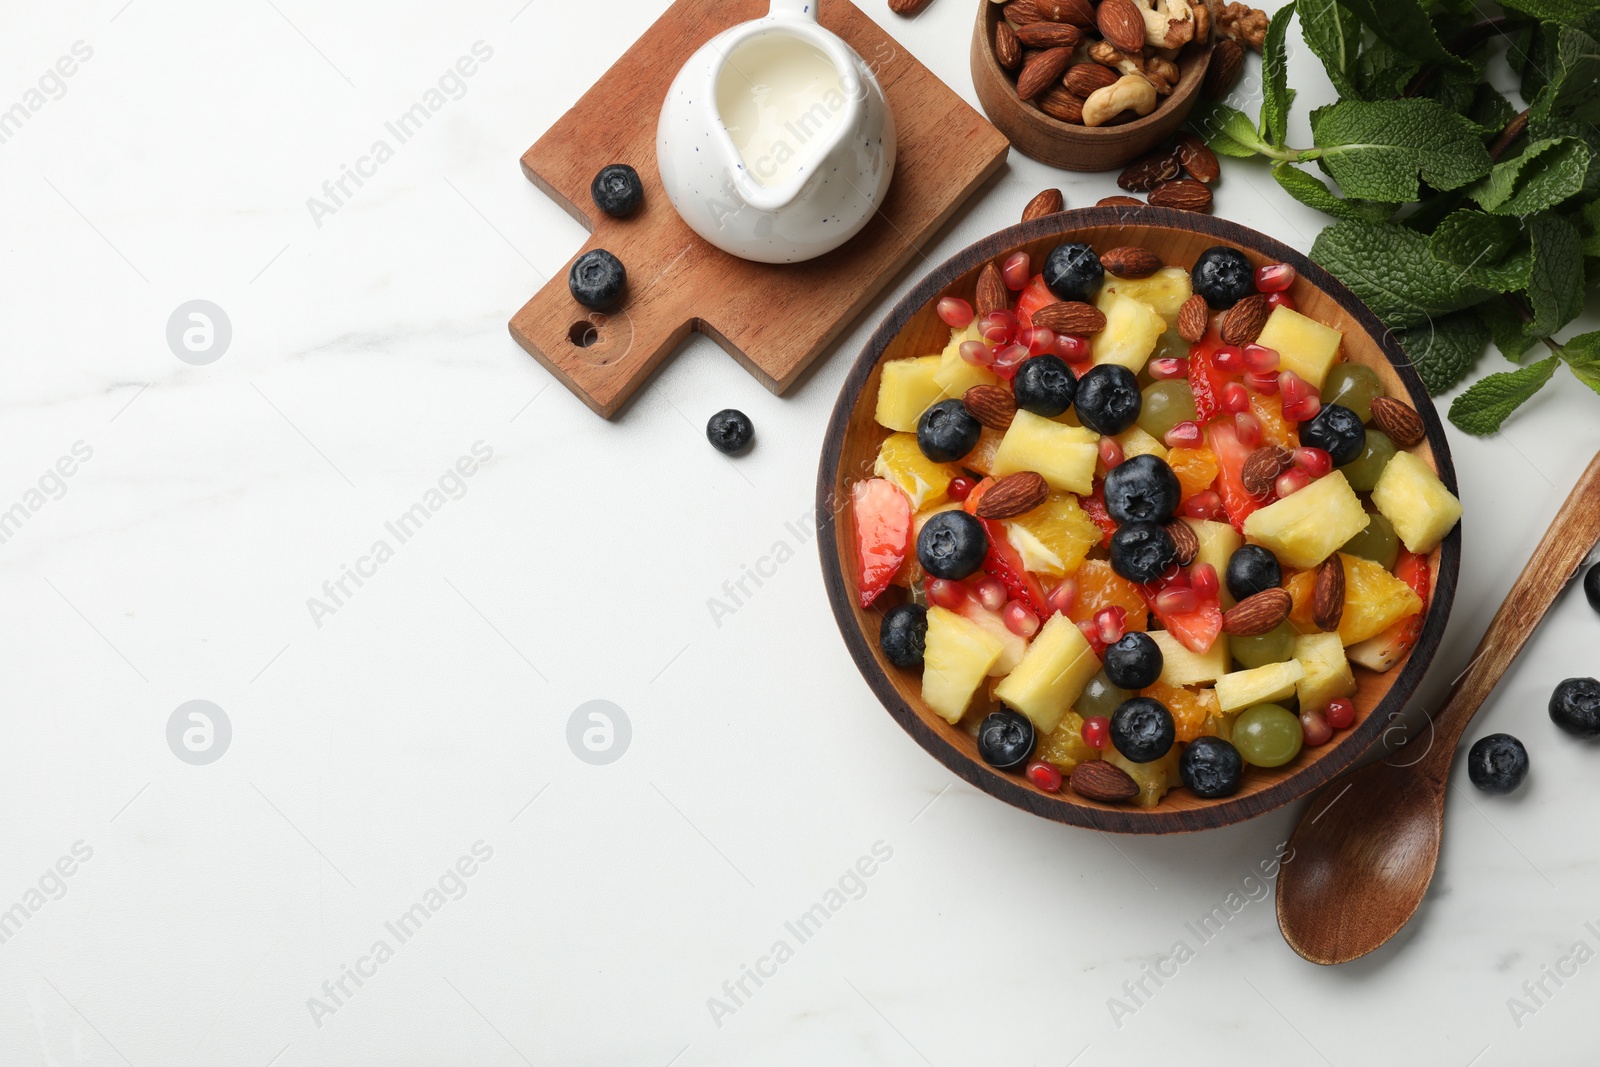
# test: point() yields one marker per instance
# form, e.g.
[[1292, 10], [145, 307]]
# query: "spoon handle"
[[1572, 534]]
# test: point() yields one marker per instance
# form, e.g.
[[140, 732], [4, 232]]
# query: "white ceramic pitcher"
[[776, 143]]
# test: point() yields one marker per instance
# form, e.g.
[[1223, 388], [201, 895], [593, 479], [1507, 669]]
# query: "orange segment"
[[1190, 710], [1101, 587], [1196, 469], [1275, 429]]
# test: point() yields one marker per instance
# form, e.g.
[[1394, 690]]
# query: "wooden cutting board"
[[774, 319]]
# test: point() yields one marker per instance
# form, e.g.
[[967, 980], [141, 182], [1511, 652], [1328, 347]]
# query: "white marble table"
[[399, 770]]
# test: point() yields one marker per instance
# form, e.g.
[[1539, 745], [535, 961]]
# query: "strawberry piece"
[[1223, 440], [1195, 630], [1094, 506], [1004, 562], [970, 504], [1206, 381], [1415, 572], [1034, 297], [883, 533]]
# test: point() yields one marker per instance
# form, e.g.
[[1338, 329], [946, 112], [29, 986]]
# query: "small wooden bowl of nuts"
[[1088, 86]]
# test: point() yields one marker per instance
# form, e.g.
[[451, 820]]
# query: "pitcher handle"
[[801, 9]]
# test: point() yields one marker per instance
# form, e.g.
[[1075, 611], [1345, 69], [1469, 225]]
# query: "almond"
[[991, 405], [1041, 70], [1262, 467], [1143, 175], [1077, 12], [1119, 201], [1049, 35], [1070, 316], [1015, 494], [907, 7], [1084, 78], [1194, 318], [1121, 25], [1130, 262], [1058, 103], [1186, 540], [992, 294], [1198, 159], [1186, 194], [1243, 322], [1258, 614], [1022, 12], [1227, 63], [1327, 598], [1049, 202], [1399, 421], [1007, 49], [1106, 782]]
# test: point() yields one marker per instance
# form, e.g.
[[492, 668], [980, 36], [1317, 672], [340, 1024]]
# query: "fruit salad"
[[1138, 525]]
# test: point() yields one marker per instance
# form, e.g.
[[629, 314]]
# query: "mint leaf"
[[1490, 110], [1481, 409], [1555, 287], [1228, 131], [1384, 72], [1550, 10], [1333, 33], [1406, 26], [1546, 173], [1444, 349], [1573, 90], [1313, 192], [1390, 268], [1490, 250], [1276, 96], [1507, 328], [1376, 149], [1582, 356], [1591, 227]]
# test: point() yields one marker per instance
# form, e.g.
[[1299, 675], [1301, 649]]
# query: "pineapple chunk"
[[901, 461], [1155, 778], [955, 375], [1306, 527], [1165, 291], [1063, 455], [1054, 537], [1327, 672], [1132, 329], [906, 389], [1218, 542], [1065, 747], [1303, 344], [1180, 667], [1416, 502], [955, 661], [1134, 442], [1259, 685], [1058, 664]]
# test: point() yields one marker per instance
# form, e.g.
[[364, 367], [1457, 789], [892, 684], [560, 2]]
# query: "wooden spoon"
[[1367, 845]]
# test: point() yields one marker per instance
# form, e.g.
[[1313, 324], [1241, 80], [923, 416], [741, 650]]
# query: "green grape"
[[1353, 386], [1165, 405], [1274, 646], [1363, 471], [1267, 735], [1099, 697], [1377, 543]]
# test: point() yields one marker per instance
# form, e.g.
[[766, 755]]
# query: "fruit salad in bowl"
[[1141, 523]]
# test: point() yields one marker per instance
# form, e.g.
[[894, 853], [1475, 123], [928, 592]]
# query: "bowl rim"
[[1062, 807]]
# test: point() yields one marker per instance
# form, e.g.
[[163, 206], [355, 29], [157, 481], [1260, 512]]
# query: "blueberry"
[[1210, 767], [1337, 431], [1134, 662], [1045, 385], [1591, 586], [729, 431], [1142, 489], [1109, 399], [1575, 706], [947, 431], [1006, 739], [1142, 729], [952, 545], [1073, 272], [1223, 276], [1497, 763], [597, 280], [904, 634], [1141, 551], [1251, 570], [617, 190]]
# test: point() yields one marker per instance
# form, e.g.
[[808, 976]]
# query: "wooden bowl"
[[853, 439], [1068, 145]]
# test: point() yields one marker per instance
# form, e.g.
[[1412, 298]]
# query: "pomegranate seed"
[[1166, 368], [1110, 453], [959, 488], [1291, 481], [1020, 619], [956, 312], [1063, 596], [1044, 776], [1264, 382], [1228, 359], [1039, 339], [1008, 359], [1260, 358], [998, 327], [1016, 271], [1072, 348], [1110, 623], [1203, 580], [1340, 713], [1204, 505], [1315, 728], [1234, 399], [1274, 277], [1294, 387], [1183, 435], [991, 593], [1281, 300], [1314, 461], [1303, 410], [945, 593], [977, 353], [1096, 731], [1177, 601], [1248, 428]]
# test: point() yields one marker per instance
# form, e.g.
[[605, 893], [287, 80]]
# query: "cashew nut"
[[1167, 23], [1131, 92]]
